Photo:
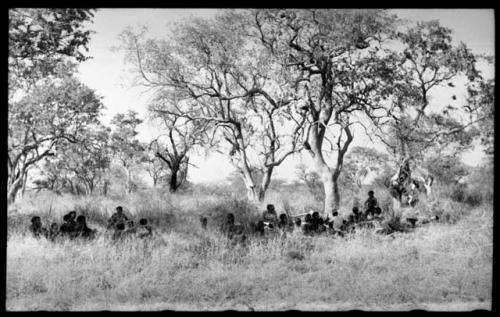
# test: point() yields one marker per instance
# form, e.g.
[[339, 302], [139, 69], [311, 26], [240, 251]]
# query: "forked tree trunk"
[[328, 176]]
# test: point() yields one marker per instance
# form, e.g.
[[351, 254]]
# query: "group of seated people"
[[313, 223], [76, 227], [124, 227], [72, 227]]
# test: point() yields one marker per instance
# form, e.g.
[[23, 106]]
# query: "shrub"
[[466, 194]]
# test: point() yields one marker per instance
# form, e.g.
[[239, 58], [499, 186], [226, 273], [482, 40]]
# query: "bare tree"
[[225, 81], [172, 148]]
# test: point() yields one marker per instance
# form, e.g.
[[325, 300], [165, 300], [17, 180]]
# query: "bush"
[[465, 194]]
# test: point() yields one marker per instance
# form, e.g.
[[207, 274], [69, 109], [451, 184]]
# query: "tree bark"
[[15, 184], [266, 181], [329, 177], [13, 190], [329, 184], [173, 179]]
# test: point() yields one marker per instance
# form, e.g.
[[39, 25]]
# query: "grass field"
[[440, 266]]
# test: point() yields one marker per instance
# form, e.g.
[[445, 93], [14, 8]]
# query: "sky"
[[109, 75]]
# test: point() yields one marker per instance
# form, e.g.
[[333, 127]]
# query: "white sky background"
[[110, 77]]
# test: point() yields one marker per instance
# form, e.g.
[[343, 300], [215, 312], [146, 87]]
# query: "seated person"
[[203, 221], [68, 227], [270, 216], [130, 228], [118, 233], [260, 228], [228, 226], [315, 220], [116, 218], [238, 235], [144, 230], [308, 227], [358, 216], [54, 231], [37, 229], [321, 226], [81, 229], [283, 223]]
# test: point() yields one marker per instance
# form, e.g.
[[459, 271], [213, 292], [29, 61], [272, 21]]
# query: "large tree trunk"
[[173, 185], [329, 177], [252, 192], [322, 169], [328, 186], [266, 181]]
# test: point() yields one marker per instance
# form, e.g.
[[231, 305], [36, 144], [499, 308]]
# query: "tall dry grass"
[[187, 268]]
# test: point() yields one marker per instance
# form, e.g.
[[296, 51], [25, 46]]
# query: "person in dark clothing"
[[284, 224], [298, 222], [358, 216], [270, 216], [315, 221], [144, 230], [37, 229], [308, 227], [260, 228], [118, 233], [81, 229], [370, 204], [321, 225], [68, 227], [116, 218], [203, 221], [228, 226]]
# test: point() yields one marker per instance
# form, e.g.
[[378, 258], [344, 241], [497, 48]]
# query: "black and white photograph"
[[250, 159]]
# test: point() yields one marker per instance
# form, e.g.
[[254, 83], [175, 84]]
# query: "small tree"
[[79, 165], [311, 180], [171, 149], [154, 166]]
